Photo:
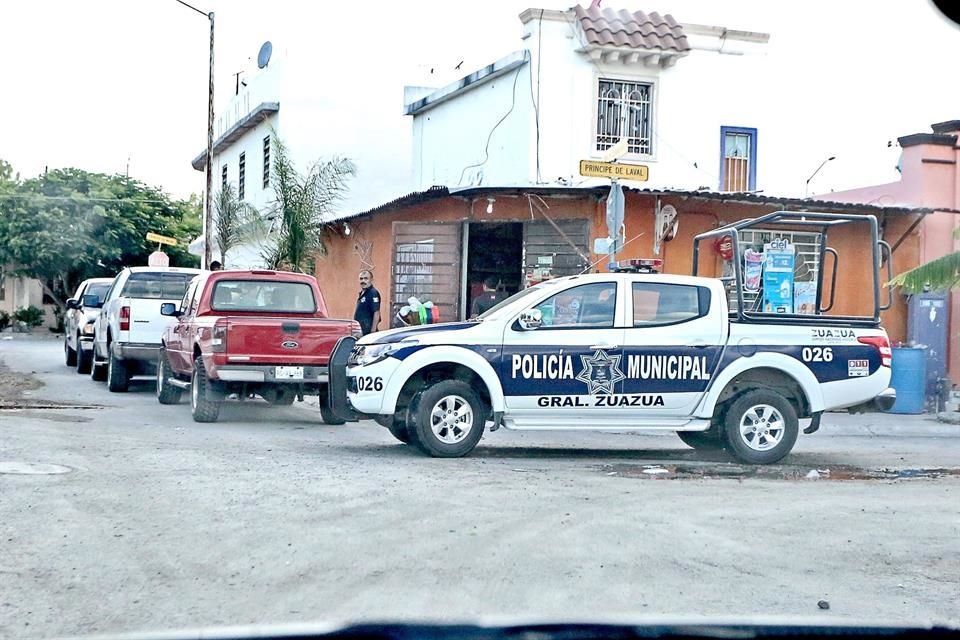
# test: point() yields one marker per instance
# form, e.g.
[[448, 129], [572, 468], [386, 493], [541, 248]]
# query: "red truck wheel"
[[166, 392], [329, 417], [203, 410]]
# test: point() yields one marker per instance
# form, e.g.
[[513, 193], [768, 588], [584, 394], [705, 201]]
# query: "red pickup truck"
[[246, 333]]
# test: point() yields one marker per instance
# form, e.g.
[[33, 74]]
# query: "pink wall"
[[930, 178]]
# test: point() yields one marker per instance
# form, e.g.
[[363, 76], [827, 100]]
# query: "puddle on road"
[[18, 467], [768, 472]]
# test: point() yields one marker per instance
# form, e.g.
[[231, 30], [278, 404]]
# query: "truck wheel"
[[449, 419], [84, 359], [203, 410], [69, 355], [329, 417], [118, 377], [760, 427], [702, 440], [166, 392], [98, 371], [398, 429]]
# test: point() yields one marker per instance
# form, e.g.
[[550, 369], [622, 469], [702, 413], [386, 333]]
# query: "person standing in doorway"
[[487, 299], [368, 304]]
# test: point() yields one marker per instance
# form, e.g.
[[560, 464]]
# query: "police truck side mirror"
[[72, 304], [530, 319]]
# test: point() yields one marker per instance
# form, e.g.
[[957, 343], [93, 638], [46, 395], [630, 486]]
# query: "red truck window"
[[263, 295]]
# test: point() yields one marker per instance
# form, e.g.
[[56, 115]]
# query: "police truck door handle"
[[699, 344], [604, 347]]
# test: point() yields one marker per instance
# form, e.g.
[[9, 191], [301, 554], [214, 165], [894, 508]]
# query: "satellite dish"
[[263, 58]]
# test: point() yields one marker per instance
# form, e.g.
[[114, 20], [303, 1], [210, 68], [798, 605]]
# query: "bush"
[[4, 320], [29, 316]]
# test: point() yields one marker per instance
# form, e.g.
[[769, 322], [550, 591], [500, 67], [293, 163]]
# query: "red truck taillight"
[[218, 341], [124, 318], [883, 346]]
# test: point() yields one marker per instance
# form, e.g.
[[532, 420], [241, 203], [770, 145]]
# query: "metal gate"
[[426, 265]]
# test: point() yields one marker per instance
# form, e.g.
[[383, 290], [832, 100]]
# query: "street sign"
[[616, 151], [614, 170], [156, 237]]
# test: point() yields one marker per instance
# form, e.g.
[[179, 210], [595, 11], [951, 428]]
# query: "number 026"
[[817, 354], [369, 383]]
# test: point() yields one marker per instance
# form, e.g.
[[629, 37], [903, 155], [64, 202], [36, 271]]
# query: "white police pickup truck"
[[616, 351]]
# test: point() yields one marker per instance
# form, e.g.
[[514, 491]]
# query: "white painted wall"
[[692, 100], [450, 140], [310, 123]]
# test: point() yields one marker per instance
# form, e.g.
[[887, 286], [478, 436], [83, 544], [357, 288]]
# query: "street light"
[[806, 190], [208, 206]]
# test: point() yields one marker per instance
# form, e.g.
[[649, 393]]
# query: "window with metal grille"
[[242, 178], [624, 110], [223, 177], [266, 162], [738, 159], [805, 270]]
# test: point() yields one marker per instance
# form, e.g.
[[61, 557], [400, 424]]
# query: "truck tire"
[[329, 417], [203, 410], [396, 425], [166, 392], [702, 440], [449, 419], [69, 355], [98, 371], [118, 376], [84, 360], [398, 429], [760, 427]]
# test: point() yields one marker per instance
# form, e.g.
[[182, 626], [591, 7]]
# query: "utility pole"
[[208, 209]]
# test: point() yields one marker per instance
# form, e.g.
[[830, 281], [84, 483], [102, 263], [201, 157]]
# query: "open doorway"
[[495, 252]]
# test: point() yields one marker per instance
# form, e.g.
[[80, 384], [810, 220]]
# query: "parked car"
[[78, 322], [264, 333], [128, 329]]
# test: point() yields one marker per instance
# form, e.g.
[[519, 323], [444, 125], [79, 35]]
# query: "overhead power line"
[[203, 13]]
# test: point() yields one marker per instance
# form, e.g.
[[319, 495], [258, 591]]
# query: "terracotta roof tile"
[[637, 30]]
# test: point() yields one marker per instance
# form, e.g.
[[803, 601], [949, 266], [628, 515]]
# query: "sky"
[[121, 85]]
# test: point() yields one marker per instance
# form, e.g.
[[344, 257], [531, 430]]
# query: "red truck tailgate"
[[283, 340]]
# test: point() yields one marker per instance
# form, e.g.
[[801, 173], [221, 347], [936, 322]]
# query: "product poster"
[[805, 297], [752, 269], [778, 262]]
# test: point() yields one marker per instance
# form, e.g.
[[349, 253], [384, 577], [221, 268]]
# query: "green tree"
[[8, 179], [941, 273], [302, 206], [70, 224], [233, 220]]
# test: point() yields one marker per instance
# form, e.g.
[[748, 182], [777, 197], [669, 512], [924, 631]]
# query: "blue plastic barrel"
[[909, 378]]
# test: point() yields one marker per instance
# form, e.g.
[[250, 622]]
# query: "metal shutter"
[[544, 246]]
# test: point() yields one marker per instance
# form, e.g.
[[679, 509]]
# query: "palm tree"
[[233, 220], [302, 207], [942, 273]]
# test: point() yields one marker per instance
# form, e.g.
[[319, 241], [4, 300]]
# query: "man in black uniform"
[[486, 299], [368, 304]]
